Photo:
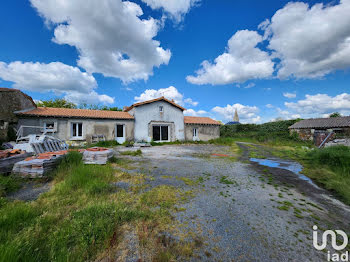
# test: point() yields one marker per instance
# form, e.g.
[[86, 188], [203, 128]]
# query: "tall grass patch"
[[337, 158], [80, 217]]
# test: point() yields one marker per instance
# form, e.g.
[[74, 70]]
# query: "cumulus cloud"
[[305, 41], [290, 95], [109, 36], [269, 106], [315, 105], [176, 9], [170, 93], [191, 112], [55, 77], [247, 114], [310, 41], [241, 61], [190, 102]]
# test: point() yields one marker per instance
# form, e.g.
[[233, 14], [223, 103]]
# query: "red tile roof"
[[5, 89], [200, 120], [76, 113], [154, 100]]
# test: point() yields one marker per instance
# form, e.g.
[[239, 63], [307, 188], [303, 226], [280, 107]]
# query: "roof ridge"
[[154, 100]]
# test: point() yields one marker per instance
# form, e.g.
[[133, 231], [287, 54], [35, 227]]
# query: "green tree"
[[335, 114], [57, 102], [98, 107]]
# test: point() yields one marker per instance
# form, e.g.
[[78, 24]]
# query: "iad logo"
[[332, 234]]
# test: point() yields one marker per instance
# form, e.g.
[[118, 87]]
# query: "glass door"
[[120, 134]]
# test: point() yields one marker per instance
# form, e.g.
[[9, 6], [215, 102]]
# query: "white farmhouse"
[[159, 120]]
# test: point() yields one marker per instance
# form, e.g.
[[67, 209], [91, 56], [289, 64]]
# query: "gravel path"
[[241, 210], [30, 191]]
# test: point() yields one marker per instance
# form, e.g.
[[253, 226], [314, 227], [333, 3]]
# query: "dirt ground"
[[242, 210]]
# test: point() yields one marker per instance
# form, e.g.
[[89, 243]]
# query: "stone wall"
[[304, 134], [205, 132], [12, 100]]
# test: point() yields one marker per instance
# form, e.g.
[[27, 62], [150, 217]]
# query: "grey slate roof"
[[331, 122]]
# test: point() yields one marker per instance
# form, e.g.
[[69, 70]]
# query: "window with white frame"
[[161, 108], [49, 126], [77, 130]]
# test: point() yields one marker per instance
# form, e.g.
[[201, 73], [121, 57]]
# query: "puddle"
[[294, 167]]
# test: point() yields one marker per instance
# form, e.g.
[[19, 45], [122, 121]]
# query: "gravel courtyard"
[[241, 210]]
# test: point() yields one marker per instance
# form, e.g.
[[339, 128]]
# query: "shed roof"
[[152, 101], [331, 122], [200, 120], [76, 113]]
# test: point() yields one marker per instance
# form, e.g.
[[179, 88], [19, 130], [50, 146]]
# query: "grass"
[[329, 167], [138, 152], [177, 142], [8, 184], [83, 215]]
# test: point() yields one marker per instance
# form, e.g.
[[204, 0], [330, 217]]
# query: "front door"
[[120, 134], [195, 134], [160, 133]]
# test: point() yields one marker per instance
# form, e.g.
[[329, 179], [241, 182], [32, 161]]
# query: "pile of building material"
[[39, 165], [9, 157], [97, 155], [338, 142]]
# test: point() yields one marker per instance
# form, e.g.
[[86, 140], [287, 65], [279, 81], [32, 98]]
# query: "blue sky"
[[283, 60]]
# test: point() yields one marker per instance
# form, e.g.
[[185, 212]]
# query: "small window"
[[77, 130], [161, 109], [49, 126]]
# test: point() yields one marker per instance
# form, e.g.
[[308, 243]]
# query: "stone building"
[[311, 129], [159, 120], [12, 100]]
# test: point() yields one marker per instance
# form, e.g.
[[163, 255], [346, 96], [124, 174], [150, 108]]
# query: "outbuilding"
[[311, 129]]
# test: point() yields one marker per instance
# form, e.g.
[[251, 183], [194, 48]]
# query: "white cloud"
[[310, 41], [54, 77], [170, 93], [315, 105], [175, 8], [191, 112], [269, 106], [290, 95], [109, 35], [241, 61], [250, 85], [190, 102], [247, 114]]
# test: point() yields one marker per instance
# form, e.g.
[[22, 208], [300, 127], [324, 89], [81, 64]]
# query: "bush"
[[110, 143], [266, 128], [138, 152], [272, 132], [337, 158], [8, 184], [11, 134]]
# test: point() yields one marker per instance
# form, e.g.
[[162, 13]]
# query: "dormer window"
[[161, 109]]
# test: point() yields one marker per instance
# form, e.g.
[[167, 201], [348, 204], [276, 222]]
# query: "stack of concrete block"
[[97, 155]]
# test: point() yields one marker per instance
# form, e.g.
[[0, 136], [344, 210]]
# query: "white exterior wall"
[[147, 114]]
